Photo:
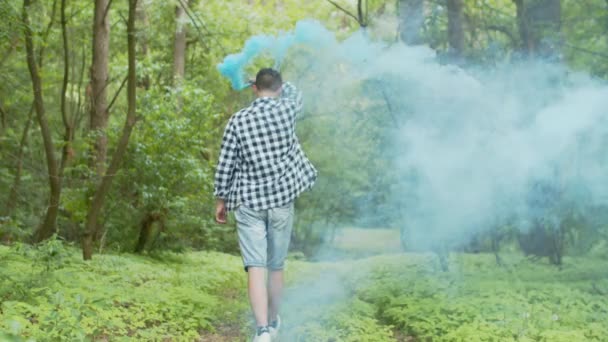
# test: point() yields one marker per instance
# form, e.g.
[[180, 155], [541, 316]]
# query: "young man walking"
[[261, 171]]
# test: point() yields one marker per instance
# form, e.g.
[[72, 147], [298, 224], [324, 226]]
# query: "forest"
[[462, 190]]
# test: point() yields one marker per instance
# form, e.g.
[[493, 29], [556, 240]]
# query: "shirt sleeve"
[[228, 162], [291, 97]]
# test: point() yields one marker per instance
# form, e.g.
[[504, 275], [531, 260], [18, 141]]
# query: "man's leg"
[[275, 290], [280, 223], [252, 230], [258, 295]]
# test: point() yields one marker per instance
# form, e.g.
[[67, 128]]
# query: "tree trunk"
[[411, 21], [539, 24], [91, 225], [142, 18], [179, 49], [146, 229], [47, 228], [455, 29], [2, 118], [11, 201], [67, 152], [522, 26], [545, 16], [99, 81]]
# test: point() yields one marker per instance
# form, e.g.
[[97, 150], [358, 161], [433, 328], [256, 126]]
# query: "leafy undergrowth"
[[406, 298], [49, 294]]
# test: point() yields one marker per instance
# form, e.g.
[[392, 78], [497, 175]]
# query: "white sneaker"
[[263, 337], [274, 327]]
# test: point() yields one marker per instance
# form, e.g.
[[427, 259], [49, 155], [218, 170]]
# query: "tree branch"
[[106, 10], [46, 34], [198, 29], [122, 85], [504, 31], [3, 115], [361, 20], [590, 52], [346, 11]]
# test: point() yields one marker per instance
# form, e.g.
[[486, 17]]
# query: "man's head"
[[268, 82]]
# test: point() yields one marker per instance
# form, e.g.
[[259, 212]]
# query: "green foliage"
[[404, 297], [115, 297], [479, 302], [169, 165], [350, 322], [385, 298], [168, 172]]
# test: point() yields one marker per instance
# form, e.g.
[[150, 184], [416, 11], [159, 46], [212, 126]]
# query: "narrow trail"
[[316, 288]]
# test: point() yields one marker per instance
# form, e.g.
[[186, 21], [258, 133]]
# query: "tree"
[[67, 121], [99, 113], [455, 28], [539, 24], [361, 17], [47, 228], [142, 18], [91, 225], [411, 21], [11, 201], [179, 47]]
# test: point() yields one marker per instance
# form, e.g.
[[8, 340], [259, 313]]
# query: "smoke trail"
[[306, 32], [467, 147], [461, 151], [452, 152]]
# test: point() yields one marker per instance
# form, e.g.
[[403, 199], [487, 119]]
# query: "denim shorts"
[[264, 236]]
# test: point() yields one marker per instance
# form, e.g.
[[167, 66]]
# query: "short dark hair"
[[268, 79]]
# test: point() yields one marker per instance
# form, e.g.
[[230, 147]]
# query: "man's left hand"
[[220, 211]]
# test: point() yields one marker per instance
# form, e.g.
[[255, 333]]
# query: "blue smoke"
[[462, 150], [308, 32]]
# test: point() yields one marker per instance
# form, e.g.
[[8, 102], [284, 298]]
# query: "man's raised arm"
[[292, 96]]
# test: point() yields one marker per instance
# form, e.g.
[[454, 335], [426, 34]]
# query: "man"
[[261, 171]]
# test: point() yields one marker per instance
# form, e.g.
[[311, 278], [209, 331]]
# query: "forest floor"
[[49, 294]]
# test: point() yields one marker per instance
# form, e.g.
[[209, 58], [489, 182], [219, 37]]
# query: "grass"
[[49, 294]]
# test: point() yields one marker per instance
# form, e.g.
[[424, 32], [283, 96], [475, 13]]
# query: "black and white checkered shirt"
[[261, 164]]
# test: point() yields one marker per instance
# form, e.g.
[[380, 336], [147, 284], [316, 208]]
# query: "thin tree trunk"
[[67, 123], [47, 228], [11, 201], [145, 231], [179, 48], [10, 51], [99, 114], [91, 226], [80, 111], [411, 21], [545, 17], [362, 17], [45, 35], [455, 28], [539, 24], [527, 44], [142, 17], [3, 118]]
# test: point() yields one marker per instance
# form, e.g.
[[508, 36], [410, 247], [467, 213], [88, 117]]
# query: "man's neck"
[[266, 93]]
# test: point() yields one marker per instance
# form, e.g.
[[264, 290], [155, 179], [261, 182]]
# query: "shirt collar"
[[264, 99]]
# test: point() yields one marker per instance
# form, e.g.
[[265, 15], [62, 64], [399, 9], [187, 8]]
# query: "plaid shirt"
[[261, 164]]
